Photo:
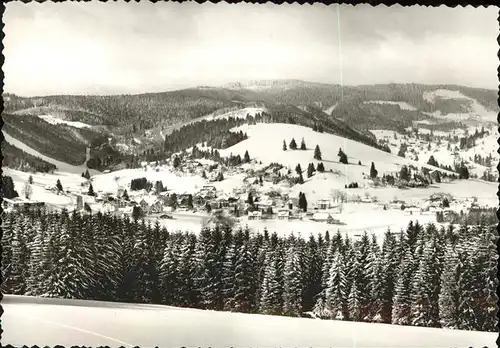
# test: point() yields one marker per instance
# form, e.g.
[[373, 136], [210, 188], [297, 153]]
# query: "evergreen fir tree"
[[292, 289], [317, 153], [246, 157], [450, 296], [209, 271], [376, 281], [301, 179], [243, 277], [293, 145], [313, 274], [16, 283], [186, 269], [354, 302], [373, 171], [310, 170], [336, 292], [284, 146], [402, 292], [169, 275], [302, 201], [270, 289], [420, 301], [228, 277], [298, 169], [91, 190], [303, 145], [59, 185]]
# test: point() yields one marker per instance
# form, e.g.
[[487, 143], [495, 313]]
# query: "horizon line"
[[229, 86]]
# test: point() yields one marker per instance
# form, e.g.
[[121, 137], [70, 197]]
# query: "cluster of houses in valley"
[[261, 196]]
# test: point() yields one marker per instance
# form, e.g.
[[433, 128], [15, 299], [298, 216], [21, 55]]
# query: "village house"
[[156, 207], [323, 204], [220, 202], [255, 215], [265, 206], [199, 200], [183, 200], [124, 212], [396, 204], [284, 214]]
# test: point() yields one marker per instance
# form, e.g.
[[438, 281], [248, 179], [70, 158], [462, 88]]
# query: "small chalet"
[[255, 215], [323, 204], [264, 205], [156, 207], [284, 214], [199, 200], [183, 200], [123, 212]]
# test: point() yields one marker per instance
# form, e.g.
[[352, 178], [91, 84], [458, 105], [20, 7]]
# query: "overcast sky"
[[110, 48]]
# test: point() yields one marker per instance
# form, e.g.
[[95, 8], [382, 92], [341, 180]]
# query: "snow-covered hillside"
[[61, 166], [50, 322], [419, 148], [265, 143], [476, 110], [55, 120]]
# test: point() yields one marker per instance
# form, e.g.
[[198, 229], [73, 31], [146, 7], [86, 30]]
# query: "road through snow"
[[31, 320]]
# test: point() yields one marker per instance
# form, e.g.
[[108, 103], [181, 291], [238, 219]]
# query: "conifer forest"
[[421, 276]]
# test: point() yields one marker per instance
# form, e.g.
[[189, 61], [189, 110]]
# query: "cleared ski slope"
[[61, 166], [30, 320]]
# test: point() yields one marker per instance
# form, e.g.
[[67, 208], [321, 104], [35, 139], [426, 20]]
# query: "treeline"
[[16, 158], [485, 161], [8, 189], [469, 140], [422, 276], [141, 111], [215, 133]]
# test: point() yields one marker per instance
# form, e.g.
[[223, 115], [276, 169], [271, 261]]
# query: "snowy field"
[[476, 108], [50, 322], [355, 218], [71, 182], [111, 182], [55, 120]]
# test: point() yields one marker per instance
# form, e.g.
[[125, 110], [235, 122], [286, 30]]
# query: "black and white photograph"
[[249, 175]]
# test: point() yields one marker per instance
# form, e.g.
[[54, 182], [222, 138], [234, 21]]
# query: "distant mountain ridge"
[[348, 111]]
